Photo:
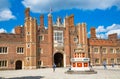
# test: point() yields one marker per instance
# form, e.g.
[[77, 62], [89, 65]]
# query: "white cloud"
[[41, 6], [5, 12], [104, 32], [113, 27], [114, 31], [2, 30], [100, 29], [101, 35]]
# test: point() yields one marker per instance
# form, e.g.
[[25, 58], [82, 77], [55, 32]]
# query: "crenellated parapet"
[[102, 42]]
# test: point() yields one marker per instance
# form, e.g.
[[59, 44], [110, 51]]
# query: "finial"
[[50, 12]]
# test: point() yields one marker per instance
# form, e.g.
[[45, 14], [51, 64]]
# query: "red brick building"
[[34, 46], [104, 50]]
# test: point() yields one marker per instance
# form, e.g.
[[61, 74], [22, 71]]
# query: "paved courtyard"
[[47, 73]]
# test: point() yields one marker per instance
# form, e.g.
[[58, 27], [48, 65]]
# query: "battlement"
[[112, 36], [11, 37], [102, 42]]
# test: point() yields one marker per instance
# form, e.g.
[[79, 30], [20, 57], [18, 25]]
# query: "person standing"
[[54, 66], [113, 64], [104, 64]]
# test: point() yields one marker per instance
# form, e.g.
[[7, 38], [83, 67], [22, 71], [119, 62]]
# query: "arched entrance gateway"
[[18, 65], [58, 59]]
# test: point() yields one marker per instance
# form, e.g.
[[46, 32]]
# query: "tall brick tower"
[[80, 60], [30, 28], [82, 37], [67, 41], [50, 39]]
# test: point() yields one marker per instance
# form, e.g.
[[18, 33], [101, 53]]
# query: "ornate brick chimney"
[[71, 20], [42, 21], [27, 12], [92, 32]]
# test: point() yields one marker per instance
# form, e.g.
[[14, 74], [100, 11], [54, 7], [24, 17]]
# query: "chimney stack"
[[71, 20], [92, 32], [42, 21], [49, 20], [27, 12]]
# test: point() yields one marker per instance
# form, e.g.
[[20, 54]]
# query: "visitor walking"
[[54, 66], [104, 64], [113, 64]]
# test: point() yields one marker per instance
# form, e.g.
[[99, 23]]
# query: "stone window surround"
[[20, 50], [4, 50], [41, 37], [104, 50], [97, 59], [3, 63], [111, 50], [56, 36], [40, 50], [96, 50], [118, 60]]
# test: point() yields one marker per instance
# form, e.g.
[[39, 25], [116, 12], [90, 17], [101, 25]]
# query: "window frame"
[[98, 61], [96, 50], [117, 50], [104, 51], [118, 59], [4, 50], [20, 50], [58, 36], [3, 63], [111, 51], [41, 37], [40, 50], [112, 60]]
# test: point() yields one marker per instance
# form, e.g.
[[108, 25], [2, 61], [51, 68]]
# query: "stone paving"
[[47, 73]]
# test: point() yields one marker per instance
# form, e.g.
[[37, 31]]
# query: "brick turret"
[[67, 41], [30, 28], [82, 37], [50, 39]]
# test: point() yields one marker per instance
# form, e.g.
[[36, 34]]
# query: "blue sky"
[[104, 15]]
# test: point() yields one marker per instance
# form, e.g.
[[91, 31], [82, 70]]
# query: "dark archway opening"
[[58, 59], [18, 65]]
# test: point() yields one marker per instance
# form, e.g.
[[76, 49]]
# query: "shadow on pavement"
[[26, 77]]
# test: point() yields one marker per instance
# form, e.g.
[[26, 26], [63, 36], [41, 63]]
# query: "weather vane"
[[50, 11]]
